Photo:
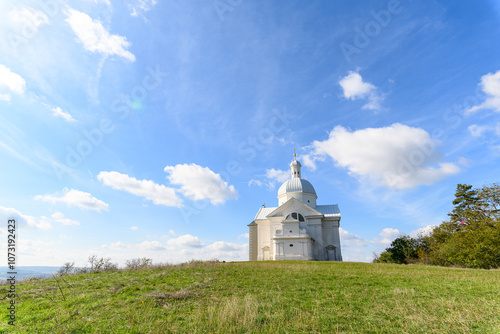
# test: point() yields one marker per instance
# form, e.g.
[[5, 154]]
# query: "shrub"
[[138, 263]]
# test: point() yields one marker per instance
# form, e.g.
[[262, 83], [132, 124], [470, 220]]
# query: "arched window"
[[296, 215]]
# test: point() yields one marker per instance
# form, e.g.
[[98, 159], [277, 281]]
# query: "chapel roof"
[[296, 185], [331, 210], [263, 212]]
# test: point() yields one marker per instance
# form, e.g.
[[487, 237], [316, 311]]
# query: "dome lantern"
[[297, 187]]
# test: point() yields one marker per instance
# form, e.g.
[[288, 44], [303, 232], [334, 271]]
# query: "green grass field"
[[262, 297]]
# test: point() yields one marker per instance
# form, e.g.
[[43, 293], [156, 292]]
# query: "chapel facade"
[[297, 229]]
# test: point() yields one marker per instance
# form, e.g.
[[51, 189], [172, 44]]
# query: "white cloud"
[[200, 183], [423, 231], [397, 156], [388, 235], [355, 88], [309, 162], [95, 38], [228, 250], [186, 240], [150, 190], [225, 246], [134, 228], [477, 130], [57, 112], [73, 197], [23, 220], [10, 82], [244, 235], [151, 245], [117, 246], [172, 232], [276, 174], [490, 84], [59, 218], [273, 176], [26, 21], [356, 248], [349, 239], [137, 7]]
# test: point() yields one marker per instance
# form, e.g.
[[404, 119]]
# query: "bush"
[[101, 264], [138, 263], [67, 269]]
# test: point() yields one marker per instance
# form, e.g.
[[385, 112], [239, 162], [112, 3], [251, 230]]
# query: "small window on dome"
[[291, 245]]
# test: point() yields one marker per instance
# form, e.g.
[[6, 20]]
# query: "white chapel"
[[297, 229]]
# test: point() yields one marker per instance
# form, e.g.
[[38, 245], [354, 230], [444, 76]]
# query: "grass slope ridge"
[[254, 297]]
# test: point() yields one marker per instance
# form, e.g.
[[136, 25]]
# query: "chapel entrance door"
[[266, 253], [331, 253]]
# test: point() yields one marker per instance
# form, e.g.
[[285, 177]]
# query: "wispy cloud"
[[355, 88], [106, 2], [57, 112], [59, 217], [139, 7], [95, 38], [151, 245], [186, 240], [272, 177], [477, 130], [27, 20], [116, 246], [73, 197], [157, 193]]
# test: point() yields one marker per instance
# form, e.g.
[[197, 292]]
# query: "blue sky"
[[158, 128]]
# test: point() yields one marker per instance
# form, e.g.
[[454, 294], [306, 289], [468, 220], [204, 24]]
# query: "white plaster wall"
[[308, 199], [264, 238]]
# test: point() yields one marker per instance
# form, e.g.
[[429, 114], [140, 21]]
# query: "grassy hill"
[[268, 297]]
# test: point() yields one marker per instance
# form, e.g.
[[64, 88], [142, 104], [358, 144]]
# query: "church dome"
[[296, 185]]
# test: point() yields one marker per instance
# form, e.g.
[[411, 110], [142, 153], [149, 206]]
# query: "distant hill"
[[261, 297], [28, 271]]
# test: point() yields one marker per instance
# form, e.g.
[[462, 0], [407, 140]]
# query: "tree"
[[471, 238], [401, 250], [490, 197], [468, 205]]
